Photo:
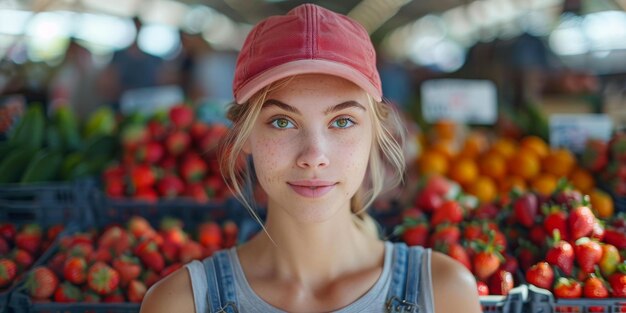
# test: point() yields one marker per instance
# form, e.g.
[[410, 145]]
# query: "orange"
[[582, 180], [544, 184], [505, 147], [524, 164], [445, 147], [492, 165], [474, 145], [535, 144], [432, 162], [445, 129], [559, 162], [601, 203], [510, 182], [464, 171], [484, 189]]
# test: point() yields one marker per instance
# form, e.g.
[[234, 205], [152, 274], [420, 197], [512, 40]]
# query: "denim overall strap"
[[221, 284], [405, 280]]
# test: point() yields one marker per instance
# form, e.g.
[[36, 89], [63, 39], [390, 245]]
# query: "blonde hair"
[[386, 156]]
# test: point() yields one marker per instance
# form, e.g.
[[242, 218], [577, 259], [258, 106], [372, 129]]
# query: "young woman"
[[309, 114]]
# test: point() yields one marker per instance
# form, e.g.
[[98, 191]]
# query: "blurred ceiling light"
[[449, 56], [13, 21], [568, 38], [165, 12], [127, 8], [373, 13], [105, 30], [221, 32], [605, 30], [159, 39], [12, 5], [196, 18]]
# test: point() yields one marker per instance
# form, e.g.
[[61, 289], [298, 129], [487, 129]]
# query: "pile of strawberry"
[[448, 221], [119, 264], [168, 157], [564, 248], [19, 248], [608, 161]]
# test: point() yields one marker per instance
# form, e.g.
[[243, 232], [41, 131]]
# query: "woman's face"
[[311, 145]]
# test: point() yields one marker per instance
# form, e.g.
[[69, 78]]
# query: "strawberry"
[[472, 231], [8, 231], [501, 283], [116, 239], [230, 231], [75, 270], [142, 176], [170, 269], [561, 254], [486, 211], [567, 288], [29, 238], [67, 293], [153, 260], [618, 281], [170, 251], [116, 296], [115, 188], [102, 279], [581, 221], [483, 289], [177, 142], [598, 231], [91, 297], [156, 129], [151, 152], [54, 231], [80, 249], [146, 194], [127, 267], [595, 156], [568, 197], [610, 259], [140, 228], [210, 234], [193, 169], [190, 251], [136, 291], [588, 254], [101, 255], [8, 271], [446, 233], [181, 116], [4, 246], [210, 141], [617, 146], [556, 218], [510, 264], [169, 164], [133, 135], [450, 211], [197, 192], [414, 233], [41, 283], [615, 237], [150, 277], [455, 251], [525, 209], [198, 130], [57, 263], [594, 288], [22, 258], [487, 260], [540, 275], [170, 186], [537, 234], [428, 200]]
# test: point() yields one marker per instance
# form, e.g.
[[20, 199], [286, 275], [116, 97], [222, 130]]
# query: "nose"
[[313, 152]]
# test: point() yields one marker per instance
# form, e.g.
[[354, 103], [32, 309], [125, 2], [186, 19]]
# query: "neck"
[[312, 254]]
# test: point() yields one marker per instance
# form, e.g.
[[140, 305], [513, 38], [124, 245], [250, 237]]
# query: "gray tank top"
[[373, 301]]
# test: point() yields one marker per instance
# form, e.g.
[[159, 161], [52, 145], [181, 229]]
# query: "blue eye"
[[282, 123], [343, 122]]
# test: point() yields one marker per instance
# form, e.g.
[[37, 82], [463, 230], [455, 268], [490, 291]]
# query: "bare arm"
[[454, 287], [171, 294]]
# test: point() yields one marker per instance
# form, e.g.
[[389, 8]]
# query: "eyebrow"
[[335, 108]]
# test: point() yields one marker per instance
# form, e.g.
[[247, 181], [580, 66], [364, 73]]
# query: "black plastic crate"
[[542, 301], [21, 303], [46, 204]]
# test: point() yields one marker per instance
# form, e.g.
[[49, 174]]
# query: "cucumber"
[[43, 167], [100, 146], [29, 132], [54, 141], [70, 162], [67, 124], [12, 167], [5, 148]]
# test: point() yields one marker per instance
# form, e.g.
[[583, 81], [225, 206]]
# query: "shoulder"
[[171, 294], [451, 280]]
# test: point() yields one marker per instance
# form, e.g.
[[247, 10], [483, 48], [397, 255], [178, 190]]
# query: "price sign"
[[462, 100], [150, 100], [572, 131]]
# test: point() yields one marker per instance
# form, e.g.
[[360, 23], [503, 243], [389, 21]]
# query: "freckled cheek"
[[355, 153], [269, 156]]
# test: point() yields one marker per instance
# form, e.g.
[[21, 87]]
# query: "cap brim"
[[307, 66]]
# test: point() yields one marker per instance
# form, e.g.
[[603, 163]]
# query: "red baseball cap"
[[308, 39]]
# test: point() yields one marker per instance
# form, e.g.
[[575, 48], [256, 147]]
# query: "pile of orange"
[[491, 170]]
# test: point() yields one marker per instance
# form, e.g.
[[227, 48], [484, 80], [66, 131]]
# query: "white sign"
[[462, 100], [150, 100], [571, 131]]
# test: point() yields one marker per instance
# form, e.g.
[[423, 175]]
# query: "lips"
[[312, 188]]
